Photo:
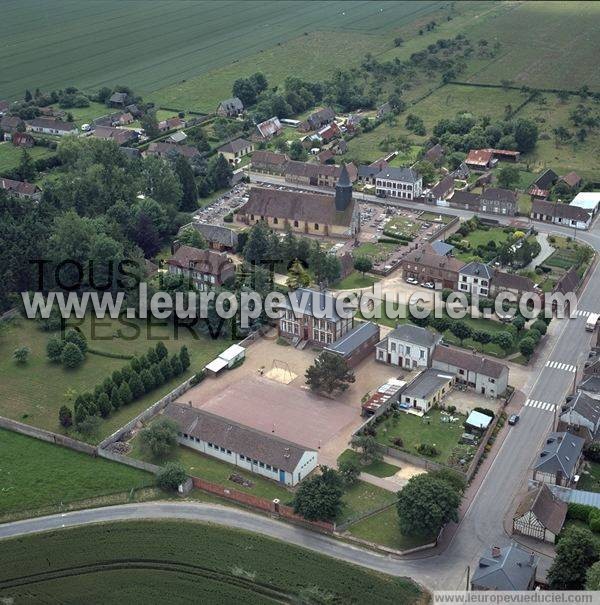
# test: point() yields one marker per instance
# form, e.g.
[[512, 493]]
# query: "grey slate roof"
[[232, 104], [238, 438], [495, 194], [585, 406], [415, 335], [427, 383], [591, 384], [476, 269], [560, 452], [235, 146], [549, 509], [513, 569], [469, 361], [315, 303], [217, 233], [405, 175], [442, 248], [361, 333]]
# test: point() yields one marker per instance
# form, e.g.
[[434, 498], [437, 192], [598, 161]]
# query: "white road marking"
[[557, 365], [540, 405]]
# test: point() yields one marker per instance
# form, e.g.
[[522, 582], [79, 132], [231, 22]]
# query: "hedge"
[[108, 354]]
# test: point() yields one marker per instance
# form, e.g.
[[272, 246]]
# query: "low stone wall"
[[50, 437], [144, 466], [148, 413]]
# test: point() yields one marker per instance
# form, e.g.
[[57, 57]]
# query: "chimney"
[[496, 552]]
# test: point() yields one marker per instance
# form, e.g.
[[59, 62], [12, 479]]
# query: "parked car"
[[513, 419], [412, 280], [428, 284]]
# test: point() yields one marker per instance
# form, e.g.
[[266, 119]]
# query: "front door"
[[281, 476]]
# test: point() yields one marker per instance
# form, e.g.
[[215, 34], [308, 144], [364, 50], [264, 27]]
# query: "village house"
[[118, 99], [317, 119], [11, 124], [304, 212], [235, 150], [463, 200], [122, 119], [170, 124], [435, 154], [480, 159], [559, 460], [560, 214], [498, 201], [475, 279], [408, 346], [310, 317], [403, 183], [441, 191], [581, 416], [269, 162], [219, 238], [22, 139], [484, 376], [511, 282], [206, 269], [426, 266], [357, 344], [540, 515], [166, 150], [508, 568], [427, 390], [329, 132], [261, 453], [21, 189], [269, 128], [51, 126], [540, 188], [326, 156], [121, 136], [366, 174], [321, 175], [230, 108], [572, 179]]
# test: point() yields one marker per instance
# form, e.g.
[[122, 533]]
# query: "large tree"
[[508, 176], [160, 438], [575, 554], [319, 498], [329, 373], [425, 504], [189, 197]]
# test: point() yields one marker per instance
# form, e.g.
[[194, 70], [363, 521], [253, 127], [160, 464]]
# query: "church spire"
[[343, 190]]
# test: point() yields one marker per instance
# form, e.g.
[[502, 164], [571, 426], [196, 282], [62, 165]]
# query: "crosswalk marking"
[[540, 405], [557, 365], [582, 313]]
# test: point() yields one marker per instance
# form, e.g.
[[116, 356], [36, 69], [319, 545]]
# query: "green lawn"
[[383, 529], [34, 392], [10, 156], [362, 498], [590, 479], [355, 280], [37, 474], [429, 429], [377, 251], [216, 471], [379, 468], [86, 115], [143, 561]]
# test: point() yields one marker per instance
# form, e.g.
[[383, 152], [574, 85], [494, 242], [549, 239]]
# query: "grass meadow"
[[34, 392], [143, 561], [10, 156]]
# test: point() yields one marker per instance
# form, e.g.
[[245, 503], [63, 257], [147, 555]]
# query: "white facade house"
[[540, 515], [408, 346], [261, 453], [588, 201], [403, 183], [51, 126], [475, 279], [426, 390]]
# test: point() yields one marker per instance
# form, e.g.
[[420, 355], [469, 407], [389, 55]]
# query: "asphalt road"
[[482, 525]]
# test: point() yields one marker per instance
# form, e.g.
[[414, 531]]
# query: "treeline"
[[142, 375]]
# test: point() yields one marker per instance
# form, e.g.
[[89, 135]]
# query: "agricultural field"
[[141, 565], [49, 475], [34, 392], [172, 41], [10, 156]]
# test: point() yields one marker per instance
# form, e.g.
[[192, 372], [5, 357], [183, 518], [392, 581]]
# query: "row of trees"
[[140, 376]]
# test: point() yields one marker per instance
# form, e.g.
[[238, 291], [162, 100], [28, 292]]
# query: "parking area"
[[268, 393], [215, 211], [467, 400]]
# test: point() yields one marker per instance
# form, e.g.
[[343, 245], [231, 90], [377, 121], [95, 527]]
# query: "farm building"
[[540, 188], [480, 159], [269, 128], [22, 139], [356, 344], [426, 390], [178, 137], [561, 214], [255, 451], [540, 515], [588, 201], [475, 371], [508, 568]]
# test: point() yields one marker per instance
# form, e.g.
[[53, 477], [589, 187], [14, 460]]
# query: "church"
[[305, 212]]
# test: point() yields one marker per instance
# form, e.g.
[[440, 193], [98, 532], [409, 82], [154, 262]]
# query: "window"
[[422, 354], [229, 452], [261, 464], [251, 217], [393, 346], [316, 226], [295, 223], [275, 220], [242, 457], [408, 350]]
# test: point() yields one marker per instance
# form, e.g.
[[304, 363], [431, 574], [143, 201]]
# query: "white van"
[[591, 321]]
